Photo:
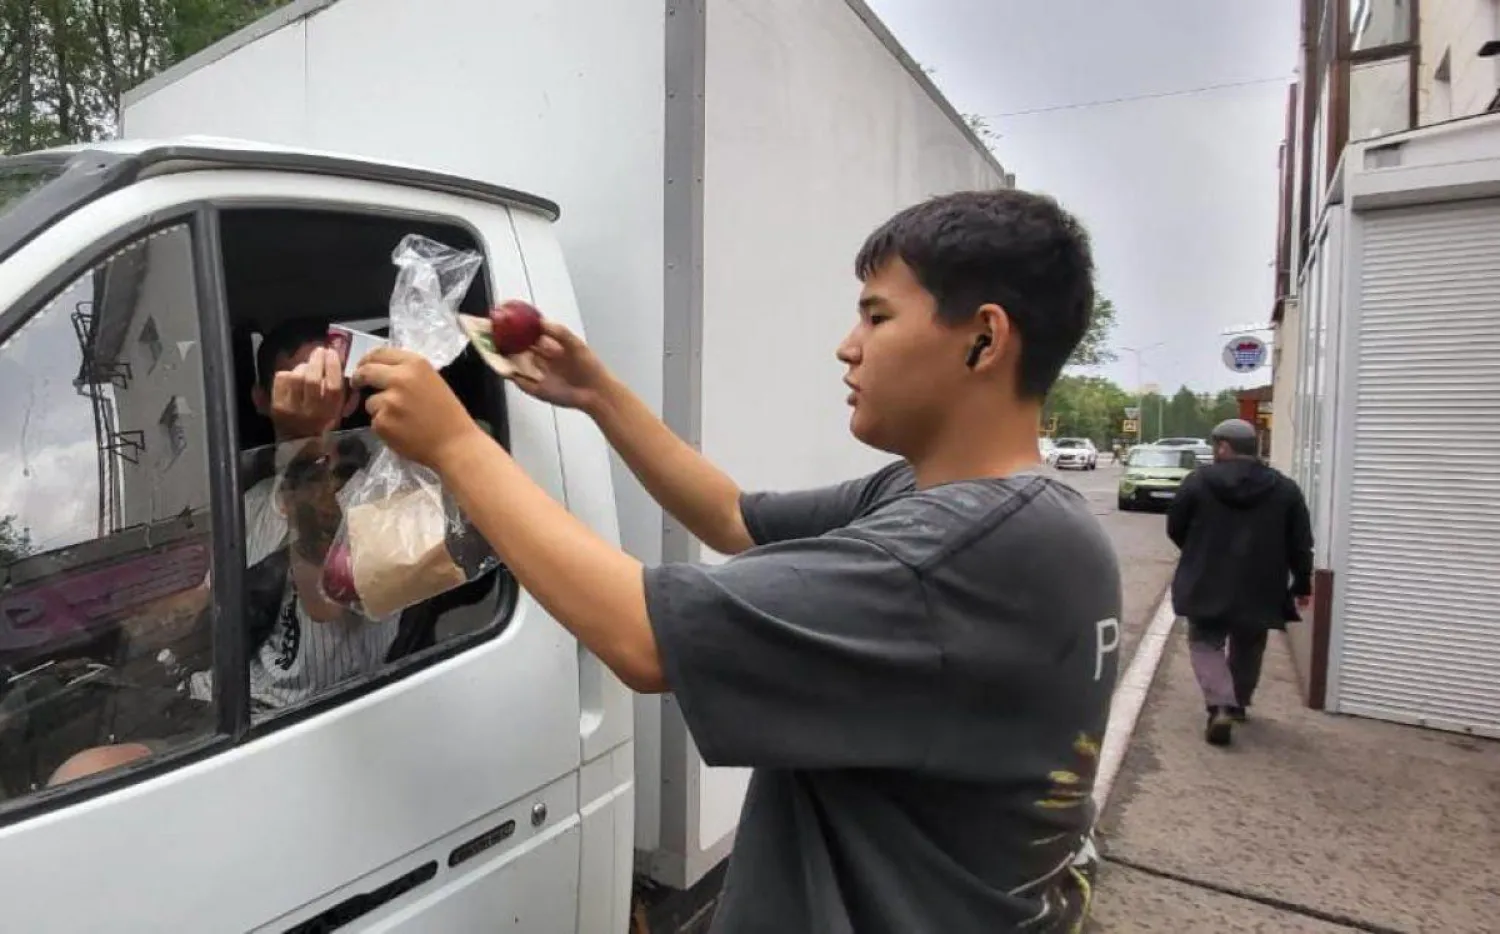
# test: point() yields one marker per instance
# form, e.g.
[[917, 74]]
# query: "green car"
[[1152, 476]]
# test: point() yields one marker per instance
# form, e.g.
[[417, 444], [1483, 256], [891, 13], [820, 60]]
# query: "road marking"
[[1130, 698]]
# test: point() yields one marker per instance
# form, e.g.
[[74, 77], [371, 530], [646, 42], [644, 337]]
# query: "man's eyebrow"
[[868, 302]]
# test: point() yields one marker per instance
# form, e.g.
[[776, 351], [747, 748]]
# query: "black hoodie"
[[1246, 542]]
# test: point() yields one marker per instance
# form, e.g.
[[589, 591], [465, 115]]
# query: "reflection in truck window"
[[105, 555], [300, 646]]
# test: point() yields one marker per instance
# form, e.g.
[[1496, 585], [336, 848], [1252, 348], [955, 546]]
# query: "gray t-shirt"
[[921, 682]]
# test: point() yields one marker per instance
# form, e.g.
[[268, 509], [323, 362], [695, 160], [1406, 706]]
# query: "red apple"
[[338, 575], [514, 327]]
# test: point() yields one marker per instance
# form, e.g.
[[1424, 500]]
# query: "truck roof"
[[89, 171], [145, 158]]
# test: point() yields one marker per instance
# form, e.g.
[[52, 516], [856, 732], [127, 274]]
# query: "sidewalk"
[[1309, 822]]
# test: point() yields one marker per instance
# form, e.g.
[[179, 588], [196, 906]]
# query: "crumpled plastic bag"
[[402, 539]]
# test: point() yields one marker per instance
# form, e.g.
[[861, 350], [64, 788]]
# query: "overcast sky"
[[1179, 192]]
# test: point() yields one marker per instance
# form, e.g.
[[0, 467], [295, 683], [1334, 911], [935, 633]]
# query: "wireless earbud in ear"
[[980, 342]]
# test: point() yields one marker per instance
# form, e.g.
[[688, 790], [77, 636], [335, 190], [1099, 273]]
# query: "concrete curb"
[[1130, 698]]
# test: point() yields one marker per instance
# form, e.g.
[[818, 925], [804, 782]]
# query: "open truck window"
[[288, 273], [107, 630]]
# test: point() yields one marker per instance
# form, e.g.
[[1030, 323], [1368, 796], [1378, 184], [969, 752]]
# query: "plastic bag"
[[402, 539]]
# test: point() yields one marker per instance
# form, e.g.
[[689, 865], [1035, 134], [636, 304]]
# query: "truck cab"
[[478, 773]]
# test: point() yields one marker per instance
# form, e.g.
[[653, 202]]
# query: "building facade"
[[1387, 314]]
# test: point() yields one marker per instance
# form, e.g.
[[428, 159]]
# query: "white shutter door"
[[1421, 614]]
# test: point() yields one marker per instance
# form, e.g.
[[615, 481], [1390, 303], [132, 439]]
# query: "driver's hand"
[[308, 400]]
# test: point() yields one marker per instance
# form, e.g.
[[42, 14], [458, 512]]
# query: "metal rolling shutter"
[[1421, 615]]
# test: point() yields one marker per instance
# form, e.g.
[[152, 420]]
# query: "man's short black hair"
[[285, 339], [1010, 248]]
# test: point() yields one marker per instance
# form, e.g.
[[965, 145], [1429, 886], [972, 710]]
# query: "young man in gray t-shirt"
[[917, 664]]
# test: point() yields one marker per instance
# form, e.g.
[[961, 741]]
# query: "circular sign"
[[1245, 354]]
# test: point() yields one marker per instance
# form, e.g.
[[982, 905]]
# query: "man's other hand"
[[307, 401], [572, 376], [413, 410]]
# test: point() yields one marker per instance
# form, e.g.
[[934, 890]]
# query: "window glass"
[[1379, 97], [105, 525], [1376, 23]]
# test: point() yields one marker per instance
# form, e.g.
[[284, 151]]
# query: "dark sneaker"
[[1220, 729], [1238, 714]]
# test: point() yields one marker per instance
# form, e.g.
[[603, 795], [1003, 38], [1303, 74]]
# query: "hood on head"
[[1241, 482]]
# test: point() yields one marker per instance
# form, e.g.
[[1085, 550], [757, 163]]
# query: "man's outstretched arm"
[[686, 484], [592, 587], [695, 492]]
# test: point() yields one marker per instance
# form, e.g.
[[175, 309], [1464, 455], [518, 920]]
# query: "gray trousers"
[[1226, 661]]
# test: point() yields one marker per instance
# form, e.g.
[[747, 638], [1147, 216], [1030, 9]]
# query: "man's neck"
[[996, 445]]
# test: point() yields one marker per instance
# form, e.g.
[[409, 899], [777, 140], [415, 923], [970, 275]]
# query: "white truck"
[[704, 173]]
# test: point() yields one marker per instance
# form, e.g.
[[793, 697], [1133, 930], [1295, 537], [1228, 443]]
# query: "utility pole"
[[1140, 389]]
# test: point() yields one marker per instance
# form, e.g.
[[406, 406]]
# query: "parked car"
[[1201, 449], [1152, 476], [1076, 454]]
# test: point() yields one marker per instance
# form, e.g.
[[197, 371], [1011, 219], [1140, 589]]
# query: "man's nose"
[[848, 350]]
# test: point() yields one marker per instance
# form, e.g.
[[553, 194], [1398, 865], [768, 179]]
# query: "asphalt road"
[[1140, 539]]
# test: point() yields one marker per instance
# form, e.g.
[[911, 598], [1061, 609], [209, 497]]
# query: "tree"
[[1086, 407], [69, 61], [15, 541], [1094, 349], [1185, 414], [982, 129]]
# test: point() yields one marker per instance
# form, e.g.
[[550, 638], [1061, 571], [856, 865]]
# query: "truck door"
[[152, 778]]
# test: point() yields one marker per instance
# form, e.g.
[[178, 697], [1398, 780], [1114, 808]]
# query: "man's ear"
[[994, 337], [261, 400]]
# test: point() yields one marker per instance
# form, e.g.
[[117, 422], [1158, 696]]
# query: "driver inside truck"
[[302, 643]]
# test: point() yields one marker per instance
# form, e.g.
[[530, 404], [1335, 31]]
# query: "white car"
[[1048, 449], [1075, 454]]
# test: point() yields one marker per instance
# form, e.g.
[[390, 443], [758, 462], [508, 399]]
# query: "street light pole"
[[1140, 389]]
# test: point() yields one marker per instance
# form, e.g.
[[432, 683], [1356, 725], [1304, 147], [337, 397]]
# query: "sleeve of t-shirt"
[[785, 516], [815, 653]]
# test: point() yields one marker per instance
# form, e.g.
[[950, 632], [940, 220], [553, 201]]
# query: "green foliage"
[[1094, 349], [68, 62], [15, 541], [1092, 407]]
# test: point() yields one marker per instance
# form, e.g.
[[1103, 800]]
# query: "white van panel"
[[258, 92], [606, 702], [816, 135]]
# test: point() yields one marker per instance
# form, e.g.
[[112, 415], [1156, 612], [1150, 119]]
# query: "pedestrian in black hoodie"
[[1246, 543]]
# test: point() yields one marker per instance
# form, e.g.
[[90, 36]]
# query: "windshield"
[[21, 179], [1162, 457], [1070, 443]]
